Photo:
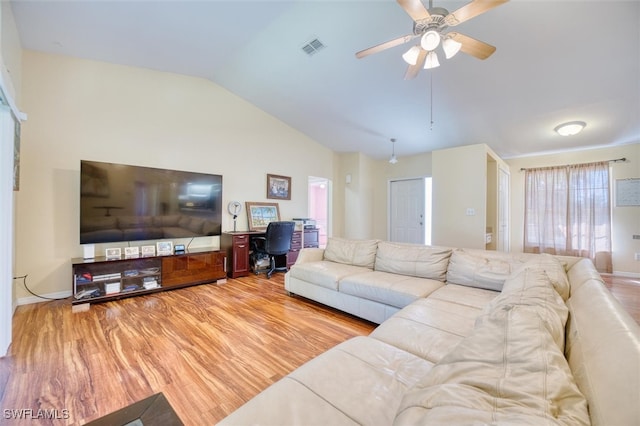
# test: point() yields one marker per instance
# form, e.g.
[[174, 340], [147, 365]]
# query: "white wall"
[[625, 220], [80, 109]]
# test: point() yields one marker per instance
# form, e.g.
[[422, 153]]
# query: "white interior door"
[[407, 211], [504, 234]]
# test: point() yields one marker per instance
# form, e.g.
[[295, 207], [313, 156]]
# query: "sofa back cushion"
[[413, 259], [351, 252], [482, 269]]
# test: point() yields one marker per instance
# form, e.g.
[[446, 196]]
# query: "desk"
[[237, 246]]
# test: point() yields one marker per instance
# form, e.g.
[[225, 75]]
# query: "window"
[[568, 212]]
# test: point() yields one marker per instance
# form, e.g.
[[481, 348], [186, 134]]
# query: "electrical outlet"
[[471, 211], [637, 256], [636, 237]]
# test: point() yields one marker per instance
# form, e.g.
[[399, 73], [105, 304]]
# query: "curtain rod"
[[623, 159]]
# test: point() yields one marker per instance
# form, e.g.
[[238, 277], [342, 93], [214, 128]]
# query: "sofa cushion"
[[324, 273], [509, 370], [554, 271], [531, 287], [482, 269], [351, 252], [391, 289], [412, 259]]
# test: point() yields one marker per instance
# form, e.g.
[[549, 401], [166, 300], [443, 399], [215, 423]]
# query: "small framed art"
[[113, 253], [148, 251], [278, 187], [164, 247], [260, 214], [130, 252]]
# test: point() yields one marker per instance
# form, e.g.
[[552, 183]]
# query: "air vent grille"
[[312, 47]]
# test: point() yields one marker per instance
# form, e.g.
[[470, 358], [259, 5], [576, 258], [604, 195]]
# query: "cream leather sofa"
[[466, 337]]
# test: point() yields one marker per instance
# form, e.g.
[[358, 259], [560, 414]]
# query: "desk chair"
[[276, 242]]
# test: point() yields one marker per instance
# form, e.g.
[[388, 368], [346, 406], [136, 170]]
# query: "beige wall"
[[626, 220], [459, 183], [81, 109], [11, 52]]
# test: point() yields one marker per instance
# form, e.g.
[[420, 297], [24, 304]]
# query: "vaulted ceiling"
[[555, 61]]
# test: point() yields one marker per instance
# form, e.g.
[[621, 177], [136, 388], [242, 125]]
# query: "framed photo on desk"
[[259, 215]]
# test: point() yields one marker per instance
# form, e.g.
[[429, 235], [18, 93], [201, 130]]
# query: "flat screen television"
[[121, 202]]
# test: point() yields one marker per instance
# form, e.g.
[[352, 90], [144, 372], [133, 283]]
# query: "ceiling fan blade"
[[415, 9], [471, 10], [386, 45], [473, 47], [413, 70]]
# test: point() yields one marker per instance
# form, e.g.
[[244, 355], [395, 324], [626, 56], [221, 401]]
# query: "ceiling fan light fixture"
[[570, 128], [431, 61], [430, 40], [450, 47], [411, 55]]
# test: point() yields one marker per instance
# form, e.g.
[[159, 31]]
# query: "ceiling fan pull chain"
[[431, 98]]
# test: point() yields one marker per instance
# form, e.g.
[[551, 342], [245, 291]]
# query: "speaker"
[[89, 251]]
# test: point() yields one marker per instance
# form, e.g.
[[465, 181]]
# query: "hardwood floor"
[[627, 291], [207, 348]]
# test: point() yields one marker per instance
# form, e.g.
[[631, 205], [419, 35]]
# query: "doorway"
[[410, 211], [319, 194]]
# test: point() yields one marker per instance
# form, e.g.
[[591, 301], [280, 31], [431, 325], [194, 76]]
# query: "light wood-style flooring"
[[207, 348]]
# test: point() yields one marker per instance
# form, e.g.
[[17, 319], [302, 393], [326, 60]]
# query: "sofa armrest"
[[310, 254]]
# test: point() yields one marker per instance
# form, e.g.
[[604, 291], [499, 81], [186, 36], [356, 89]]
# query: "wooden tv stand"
[[101, 280]]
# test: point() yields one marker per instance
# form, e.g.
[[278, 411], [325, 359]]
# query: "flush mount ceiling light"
[[393, 159], [570, 128]]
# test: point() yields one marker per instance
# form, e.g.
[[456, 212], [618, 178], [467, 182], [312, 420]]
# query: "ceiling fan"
[[430, 25]]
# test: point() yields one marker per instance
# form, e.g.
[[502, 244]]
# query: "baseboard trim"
[[35, 299], [626, 274]]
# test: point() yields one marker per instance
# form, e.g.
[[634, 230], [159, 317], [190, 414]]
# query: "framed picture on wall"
[[259, 215], [278, 187]]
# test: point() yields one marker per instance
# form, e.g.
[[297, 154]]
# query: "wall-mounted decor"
[[278, 187], [628, 192], [260, 214]]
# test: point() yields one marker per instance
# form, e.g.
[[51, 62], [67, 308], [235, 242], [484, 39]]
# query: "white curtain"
[[568, 212]]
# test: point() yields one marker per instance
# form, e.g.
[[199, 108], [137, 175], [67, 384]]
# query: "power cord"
[[24, 283]]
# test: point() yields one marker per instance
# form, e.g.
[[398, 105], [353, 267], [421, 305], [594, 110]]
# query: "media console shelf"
[[100, 280]]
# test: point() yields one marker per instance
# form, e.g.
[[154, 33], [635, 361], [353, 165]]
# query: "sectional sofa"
[[465, 337]]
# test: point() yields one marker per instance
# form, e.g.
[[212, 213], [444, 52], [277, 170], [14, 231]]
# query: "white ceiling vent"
[[312, 47]]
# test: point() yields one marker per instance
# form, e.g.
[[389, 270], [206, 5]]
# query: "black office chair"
[[276, 242]]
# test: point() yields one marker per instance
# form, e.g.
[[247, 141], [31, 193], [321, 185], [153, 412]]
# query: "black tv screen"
[[131, 203]]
